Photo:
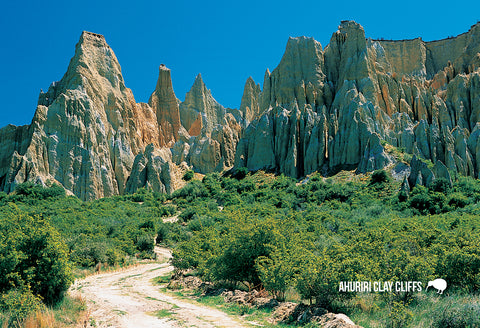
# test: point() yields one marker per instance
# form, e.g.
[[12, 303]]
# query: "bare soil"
[[129, 299]]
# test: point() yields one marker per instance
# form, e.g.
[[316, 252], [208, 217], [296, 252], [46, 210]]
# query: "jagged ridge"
[[334, 108], [320, 109]]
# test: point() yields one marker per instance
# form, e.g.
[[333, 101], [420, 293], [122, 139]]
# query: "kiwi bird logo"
[[439, 284]]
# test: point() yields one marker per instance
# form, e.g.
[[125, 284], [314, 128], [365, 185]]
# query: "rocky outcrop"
[[87, 128], [249, 107], [319, 110], [215, 131], [200, 110], [164, 103], [215, 152], [338, 107], [301, 314], [89, 135], [152, 169]]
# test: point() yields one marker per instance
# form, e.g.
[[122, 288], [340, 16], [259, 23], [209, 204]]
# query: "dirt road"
[[129, 299]]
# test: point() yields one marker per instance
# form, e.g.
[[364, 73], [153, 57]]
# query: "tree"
[[240, 173], [317, 279], [441, 185], [188, 175], [277, 271], [379, 176], [237, 261], [32, 256]]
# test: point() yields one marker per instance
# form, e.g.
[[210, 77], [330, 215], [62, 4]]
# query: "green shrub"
[[200, 223], [145, 243], [148, 225], [317, 278], [469, 187], [379, 176], [339, 192], [461, 268], [213, 182], [458, 316], [402, 196], [162, 232], [441, 185], [458, 200], [18, 303], [88, 253], [29, 192], [32, 253], [420, 199], [399, 315], [188, 214], [245, 186], [114, 256], [137, 198], [188, 175], [240, 173], [247, 240], [193, 190], [167, 210]]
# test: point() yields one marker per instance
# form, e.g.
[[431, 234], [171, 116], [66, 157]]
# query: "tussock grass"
[[426, 310], [70, 312]]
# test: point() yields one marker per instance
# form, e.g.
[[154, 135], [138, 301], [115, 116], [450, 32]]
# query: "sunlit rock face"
[[90, 136], [333, 108], [321, 109], [87, 128], [214, 130]]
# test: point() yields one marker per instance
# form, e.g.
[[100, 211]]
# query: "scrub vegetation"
[[259, 231]]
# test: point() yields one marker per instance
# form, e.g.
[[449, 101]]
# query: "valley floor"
[[129, 298]]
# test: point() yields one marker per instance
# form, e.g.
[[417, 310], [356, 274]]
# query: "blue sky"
[[226, 41]]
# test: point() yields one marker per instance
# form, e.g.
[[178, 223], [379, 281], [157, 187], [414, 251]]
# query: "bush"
[[32, 253], [317, 278], [188, 175], [18, 303], [145, 243], [29, 191], [469, 187], [147, 226], [422, 201], [200, 223], [213, 182], [167, 210], [240, 173], [458, 316], [162, 232], [458, 200], [402, 196], [246, 241], [193, 190], [461, 268], [441, 185], [399, 315], [379, 176], [137, 198], [188, 214], [88, 253], [342, 193]]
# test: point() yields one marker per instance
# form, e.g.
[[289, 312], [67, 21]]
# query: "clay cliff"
[[87, 128], [355, 104], [89, 135], [343, 106], [215, 131], [250, 106]]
